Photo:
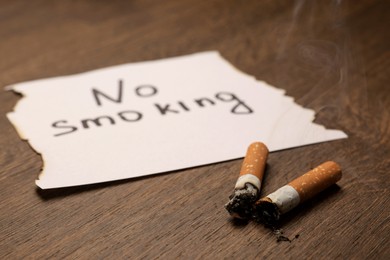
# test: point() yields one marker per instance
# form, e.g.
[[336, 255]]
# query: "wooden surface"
[[331, 56]]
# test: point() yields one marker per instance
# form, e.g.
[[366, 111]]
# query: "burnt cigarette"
[[269, 209], [247, 189]]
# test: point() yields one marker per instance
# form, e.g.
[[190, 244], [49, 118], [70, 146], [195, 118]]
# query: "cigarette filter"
[[247, 188], [269, 209]]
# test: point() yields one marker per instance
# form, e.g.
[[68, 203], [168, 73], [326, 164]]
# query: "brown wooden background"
[[331, 56]]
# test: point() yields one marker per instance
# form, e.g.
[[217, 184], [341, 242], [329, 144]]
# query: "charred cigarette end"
[[241, 201], [266, 212], [269, 209], [246, 191]]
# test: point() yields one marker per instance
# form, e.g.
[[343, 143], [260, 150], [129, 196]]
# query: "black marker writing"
[[239, 108], [97, 94], [125, 116], [165, 109], [97, 121], [146, 91], [56, 125]]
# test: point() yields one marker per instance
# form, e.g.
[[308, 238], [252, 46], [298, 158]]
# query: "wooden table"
[[331, 56]]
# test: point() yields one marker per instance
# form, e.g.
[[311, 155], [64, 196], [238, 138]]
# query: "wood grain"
[[331, 56]]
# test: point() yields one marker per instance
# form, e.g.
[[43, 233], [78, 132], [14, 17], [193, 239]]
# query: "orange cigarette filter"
[[247, 188], [269, 208], [316, 180]]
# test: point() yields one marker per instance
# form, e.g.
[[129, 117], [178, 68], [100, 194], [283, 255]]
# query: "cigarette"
[[269, 209], [247, 189]]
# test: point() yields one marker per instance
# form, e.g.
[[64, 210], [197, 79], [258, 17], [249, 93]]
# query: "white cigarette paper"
[[285, 198]]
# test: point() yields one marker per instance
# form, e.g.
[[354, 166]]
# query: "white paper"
[[158, 123]]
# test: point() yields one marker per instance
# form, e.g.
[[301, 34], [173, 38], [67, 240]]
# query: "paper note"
[[156, 116]]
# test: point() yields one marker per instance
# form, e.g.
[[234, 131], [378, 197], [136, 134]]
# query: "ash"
[[241, 201]]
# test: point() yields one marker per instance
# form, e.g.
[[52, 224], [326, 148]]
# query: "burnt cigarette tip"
[[266, 212], [241, 202], [248, 185]]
